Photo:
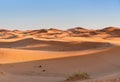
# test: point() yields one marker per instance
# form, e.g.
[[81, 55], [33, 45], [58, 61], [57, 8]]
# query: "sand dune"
[[16, 55], [30, 49], [97, 65], [33, 44], [50, 55], [108, 32]]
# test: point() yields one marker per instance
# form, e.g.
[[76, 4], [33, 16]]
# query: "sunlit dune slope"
[[96, 64]]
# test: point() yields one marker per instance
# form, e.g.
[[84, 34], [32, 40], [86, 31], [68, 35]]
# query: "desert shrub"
[[77, 76]]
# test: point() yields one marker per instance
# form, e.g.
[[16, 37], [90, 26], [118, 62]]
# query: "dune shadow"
[[33, 44]]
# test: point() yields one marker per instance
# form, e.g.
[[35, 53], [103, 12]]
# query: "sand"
[[33, 59]]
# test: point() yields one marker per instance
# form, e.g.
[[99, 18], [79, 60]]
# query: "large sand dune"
[[33, 49], [34, 44], [96, 64]]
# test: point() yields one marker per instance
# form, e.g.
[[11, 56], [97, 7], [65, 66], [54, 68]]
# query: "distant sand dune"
[[33, 44]]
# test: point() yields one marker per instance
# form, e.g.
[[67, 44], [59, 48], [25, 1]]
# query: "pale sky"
[[61, 14]]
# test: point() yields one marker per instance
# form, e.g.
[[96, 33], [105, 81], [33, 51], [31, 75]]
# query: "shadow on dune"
[[33, 44]]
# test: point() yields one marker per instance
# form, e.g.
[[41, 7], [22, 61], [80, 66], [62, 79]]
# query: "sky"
[[61, 14]]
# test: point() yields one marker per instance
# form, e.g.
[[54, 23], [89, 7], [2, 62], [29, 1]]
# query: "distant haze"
[[61, 14]]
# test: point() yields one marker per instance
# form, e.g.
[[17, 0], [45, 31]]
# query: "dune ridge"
[[52, 33], [34, 44]]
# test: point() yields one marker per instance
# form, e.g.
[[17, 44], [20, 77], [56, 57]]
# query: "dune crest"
[[52, 33]]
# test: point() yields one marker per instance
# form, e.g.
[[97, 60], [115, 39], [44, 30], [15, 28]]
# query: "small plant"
[[78, 76]]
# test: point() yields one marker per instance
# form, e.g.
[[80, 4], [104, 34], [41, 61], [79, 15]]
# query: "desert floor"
[[53, 60]]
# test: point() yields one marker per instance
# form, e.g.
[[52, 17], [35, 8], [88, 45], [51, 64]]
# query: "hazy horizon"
[[62, 14]]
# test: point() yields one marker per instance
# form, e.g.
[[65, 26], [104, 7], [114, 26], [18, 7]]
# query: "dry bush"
[[77, 76]]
